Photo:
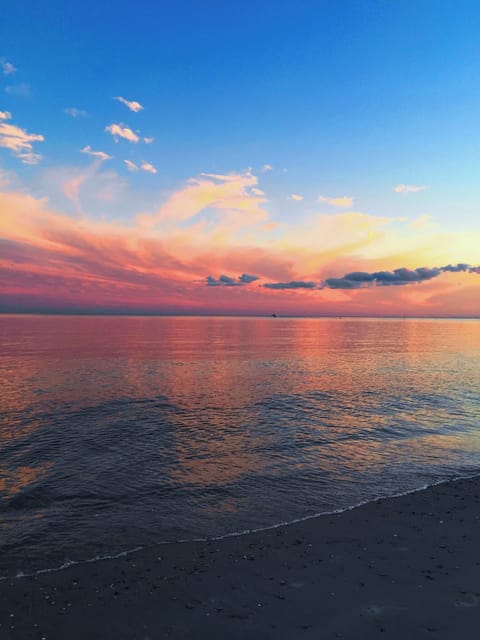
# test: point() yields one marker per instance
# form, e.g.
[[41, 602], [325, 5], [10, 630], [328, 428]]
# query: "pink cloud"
[[216, 224]]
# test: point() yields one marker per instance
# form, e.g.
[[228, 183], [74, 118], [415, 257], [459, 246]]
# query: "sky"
[[288, 157]]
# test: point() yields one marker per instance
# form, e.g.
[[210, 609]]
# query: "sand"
[[406, 567]]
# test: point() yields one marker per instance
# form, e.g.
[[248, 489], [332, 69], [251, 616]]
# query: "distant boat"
[[274, 315]]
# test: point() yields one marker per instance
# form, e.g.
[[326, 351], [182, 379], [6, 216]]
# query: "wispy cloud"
[[425, 221], [148, 140], [88, 186], [71, 189], [342, 201], [7, 67], [409, 188], [21, 90], [133, 105], [295, 196], [5, 180], [131, 166], [266, 167], [230, 193], [76, 113], [120, 131], [18, 140], [96, 154]]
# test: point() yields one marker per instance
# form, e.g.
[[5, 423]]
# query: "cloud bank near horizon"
[[355, 279], [166, 257]]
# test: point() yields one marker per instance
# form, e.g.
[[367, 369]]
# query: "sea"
[[120, 432]]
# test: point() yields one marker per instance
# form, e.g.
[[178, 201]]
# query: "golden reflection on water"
[[219, 367], [13, 481]]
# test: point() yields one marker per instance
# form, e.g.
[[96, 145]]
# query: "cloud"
[[343, 201], [247, 279], [5, 115], [362, 279], [133, 105], [7, 67], [96, 154], [5, 179], [402, 276], [215, 224], [131, 166], [460, 267], [227, 281], [223, 281], [294, 284], [120, 131], [92, 182], [19, 141], [145, 166], [266, 167], [71, 189], [295, 196], [148, 167], [408, 188], [257, 192], [148, 140], [425, 221], [76, 113], [21, 90], [224, 193]]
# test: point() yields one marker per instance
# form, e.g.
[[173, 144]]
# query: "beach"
[[406, 566]]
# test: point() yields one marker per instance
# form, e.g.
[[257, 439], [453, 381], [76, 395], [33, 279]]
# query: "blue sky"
[[346, 95], [340, 98]]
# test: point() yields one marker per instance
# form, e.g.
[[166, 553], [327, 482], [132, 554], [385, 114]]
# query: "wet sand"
[[406, 567]]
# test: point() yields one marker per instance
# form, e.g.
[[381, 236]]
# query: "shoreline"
[[234, 534], [396, 565]]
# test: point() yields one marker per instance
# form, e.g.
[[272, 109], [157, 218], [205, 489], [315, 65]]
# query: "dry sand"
[[406, 567]]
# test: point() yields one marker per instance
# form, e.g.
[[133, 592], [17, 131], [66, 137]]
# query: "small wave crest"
[[234, 534]]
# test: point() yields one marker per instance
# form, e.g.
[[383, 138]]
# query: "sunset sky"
[[240, 157]]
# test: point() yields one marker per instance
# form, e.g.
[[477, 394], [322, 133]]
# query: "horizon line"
[[332, 316]]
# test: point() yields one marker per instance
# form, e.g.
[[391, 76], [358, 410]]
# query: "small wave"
[[243, 532]]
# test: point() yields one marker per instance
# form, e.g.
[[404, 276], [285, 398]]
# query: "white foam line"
[[71, 563], [244, 532], [333, 512]]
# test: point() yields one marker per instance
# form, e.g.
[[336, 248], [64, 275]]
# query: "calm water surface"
[[127, 431]]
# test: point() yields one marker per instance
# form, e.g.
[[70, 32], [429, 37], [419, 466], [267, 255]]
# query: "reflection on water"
[[13, 481], [167, 428]]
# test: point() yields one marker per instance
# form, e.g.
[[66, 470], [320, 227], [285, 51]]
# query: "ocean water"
[[119, 432]]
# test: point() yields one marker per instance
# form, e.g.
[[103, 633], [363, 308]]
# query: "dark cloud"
[[404, 276], [294, 284], [341, 283], [360, 279], [227, 281], [360, 276], [457, 267], [245, 278], [353, 280]]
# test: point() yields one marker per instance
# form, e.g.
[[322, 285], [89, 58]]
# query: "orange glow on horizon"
[[160, 262]]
